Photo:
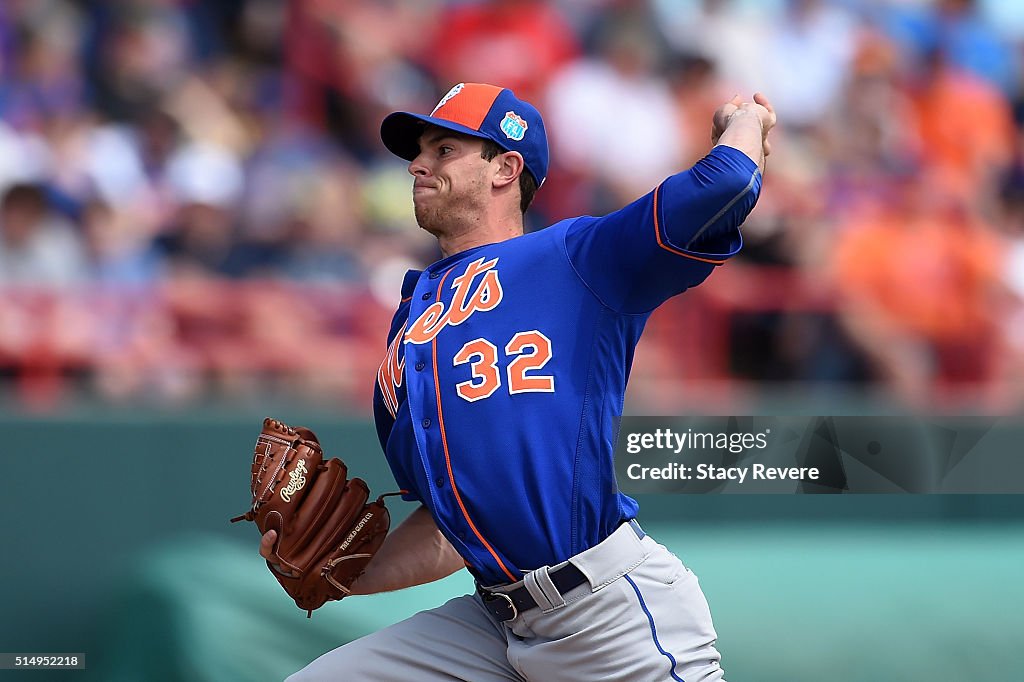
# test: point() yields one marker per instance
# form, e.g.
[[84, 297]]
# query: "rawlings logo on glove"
[[298, 479], [327, 532]]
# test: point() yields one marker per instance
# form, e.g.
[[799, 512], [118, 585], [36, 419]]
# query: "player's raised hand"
[[720, 121], [745, 126]]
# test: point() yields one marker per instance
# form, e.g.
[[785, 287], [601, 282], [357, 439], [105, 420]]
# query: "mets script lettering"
[[485, 296], [389, 374]]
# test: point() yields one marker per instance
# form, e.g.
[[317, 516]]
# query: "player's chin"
[[425, 196], [428, 203], [428, 217]]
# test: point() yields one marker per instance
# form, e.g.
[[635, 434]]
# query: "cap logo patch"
[[451, 93], [514, 126]]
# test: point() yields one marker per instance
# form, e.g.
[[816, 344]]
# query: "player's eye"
[[445, 149]]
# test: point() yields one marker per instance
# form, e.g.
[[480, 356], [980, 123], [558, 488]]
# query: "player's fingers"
[[726, 109], [762, 99], [721, 118], [731, 106], [267, 545]]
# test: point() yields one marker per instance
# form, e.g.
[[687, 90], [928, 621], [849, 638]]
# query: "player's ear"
[[510, 167]]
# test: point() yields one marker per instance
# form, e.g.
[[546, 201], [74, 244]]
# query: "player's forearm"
[[745, 132], [703, 206], [414, 553]]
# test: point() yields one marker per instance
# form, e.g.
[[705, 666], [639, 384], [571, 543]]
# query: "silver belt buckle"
[[512, 604]]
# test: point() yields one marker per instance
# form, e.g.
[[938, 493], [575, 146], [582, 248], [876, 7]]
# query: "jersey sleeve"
[[669, 240]]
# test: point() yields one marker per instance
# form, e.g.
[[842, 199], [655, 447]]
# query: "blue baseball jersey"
[[507, 365]]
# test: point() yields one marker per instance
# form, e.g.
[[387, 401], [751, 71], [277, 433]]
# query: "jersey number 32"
[[529, 351]]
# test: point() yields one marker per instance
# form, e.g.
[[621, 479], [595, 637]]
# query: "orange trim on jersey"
[[470, 106], [408, 298], [447, 456], [657, 234]]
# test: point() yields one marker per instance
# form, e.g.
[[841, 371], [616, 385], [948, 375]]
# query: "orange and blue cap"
[[479, 110]]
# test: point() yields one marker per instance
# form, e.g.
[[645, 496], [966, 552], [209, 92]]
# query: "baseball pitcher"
[[505, 368]]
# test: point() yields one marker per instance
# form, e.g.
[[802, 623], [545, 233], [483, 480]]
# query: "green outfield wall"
[[117, 544]]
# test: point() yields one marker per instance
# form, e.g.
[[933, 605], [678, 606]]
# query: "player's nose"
[[417, 167]]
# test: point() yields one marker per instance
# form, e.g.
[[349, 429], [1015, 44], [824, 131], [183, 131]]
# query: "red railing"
[[191, 338], [185, 338]]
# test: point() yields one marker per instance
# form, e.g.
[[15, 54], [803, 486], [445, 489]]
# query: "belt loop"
[[542, 589]]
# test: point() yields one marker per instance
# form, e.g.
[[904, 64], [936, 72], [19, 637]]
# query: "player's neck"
[[479, 234]]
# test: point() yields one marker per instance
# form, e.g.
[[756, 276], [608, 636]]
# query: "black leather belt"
[[507, 605]]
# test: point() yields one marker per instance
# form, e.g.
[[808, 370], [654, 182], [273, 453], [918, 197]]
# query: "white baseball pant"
[[641, 617]]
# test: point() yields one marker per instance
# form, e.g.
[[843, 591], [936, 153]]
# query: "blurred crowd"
[[194, 197]]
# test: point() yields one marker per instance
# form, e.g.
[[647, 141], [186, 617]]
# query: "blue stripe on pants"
[[654, 630]]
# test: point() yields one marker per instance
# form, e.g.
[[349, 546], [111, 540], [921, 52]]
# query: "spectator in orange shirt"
[[917, 279], [966, 125]]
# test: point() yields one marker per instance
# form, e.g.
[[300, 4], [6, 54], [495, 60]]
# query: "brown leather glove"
[[326, 531]]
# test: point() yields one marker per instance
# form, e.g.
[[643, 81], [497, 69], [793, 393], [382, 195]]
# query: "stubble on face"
[[453, 207], [429, 216]]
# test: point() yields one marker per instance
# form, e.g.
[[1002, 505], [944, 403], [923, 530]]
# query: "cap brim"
[[400, 132]]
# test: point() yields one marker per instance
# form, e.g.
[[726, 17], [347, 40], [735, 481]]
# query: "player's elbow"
[[736, 182], [715, 192], [720, 176]]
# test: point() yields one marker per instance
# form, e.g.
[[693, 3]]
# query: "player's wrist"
[[744, 113]]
